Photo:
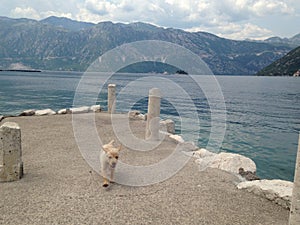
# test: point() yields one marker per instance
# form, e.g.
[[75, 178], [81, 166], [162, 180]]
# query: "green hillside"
[[285, 66]]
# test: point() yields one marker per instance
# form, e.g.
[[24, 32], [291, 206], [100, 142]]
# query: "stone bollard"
[[111, 98], [295, 204], [11, 152], [153, 116]]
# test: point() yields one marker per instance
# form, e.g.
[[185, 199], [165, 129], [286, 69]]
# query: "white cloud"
[[186, 14], [236, 31], [27, 12], [227, 17], [244, 31], [266, 7], [100, 7]]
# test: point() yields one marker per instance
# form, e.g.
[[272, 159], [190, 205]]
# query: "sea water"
[[259, 118]]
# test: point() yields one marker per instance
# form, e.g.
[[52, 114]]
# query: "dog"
[[109, 156]]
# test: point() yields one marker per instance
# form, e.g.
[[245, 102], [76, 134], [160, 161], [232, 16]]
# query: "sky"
[[234, 19]]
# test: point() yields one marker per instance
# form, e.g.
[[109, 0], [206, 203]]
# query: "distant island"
[[181, 72], [21, 70], [152, 67]]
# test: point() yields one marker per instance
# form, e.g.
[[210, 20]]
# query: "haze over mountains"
[[63, 44]]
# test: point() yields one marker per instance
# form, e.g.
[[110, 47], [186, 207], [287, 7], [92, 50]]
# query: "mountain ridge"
[[64, 44], [66, 23], [293, 41]]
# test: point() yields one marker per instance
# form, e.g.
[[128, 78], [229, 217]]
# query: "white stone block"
[[232, 162], [168, 125], [83, 109], [29, 112], [95, 108], [279, 191], [188, 147], [225, 161], [44, 112], [63, 111], [136, 115], [176, 138], [202, 153], [11, 152]]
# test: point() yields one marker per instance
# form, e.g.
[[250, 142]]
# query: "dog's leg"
[[105, 182], [104, 174], [112, 172]]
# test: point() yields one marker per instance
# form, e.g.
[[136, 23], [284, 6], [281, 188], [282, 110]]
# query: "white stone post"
[[111, 98], [153, 116], [295, 206], [11, 152]]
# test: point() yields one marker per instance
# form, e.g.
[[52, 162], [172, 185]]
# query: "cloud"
[[27, 12], [36, 9], [186, 14], [236, 31], [228, 17], [263, 7], [244, 31], [100, 7]]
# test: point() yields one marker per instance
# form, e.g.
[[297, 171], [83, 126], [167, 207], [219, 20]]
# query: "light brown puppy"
[[108, 160]]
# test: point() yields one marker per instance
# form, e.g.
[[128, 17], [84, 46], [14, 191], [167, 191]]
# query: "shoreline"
[[89, 109], [229, 162]]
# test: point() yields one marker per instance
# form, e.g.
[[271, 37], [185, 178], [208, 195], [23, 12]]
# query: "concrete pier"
[[61, 188], [295, 207], [153, 116], [11, 168], [111, 98]]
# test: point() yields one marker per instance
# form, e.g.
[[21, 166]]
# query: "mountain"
[[66, 23], [63, 44], [293, 41], [285, 66]]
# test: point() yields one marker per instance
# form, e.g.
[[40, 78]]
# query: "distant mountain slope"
[[62, 44], [285, 66], [293, 41], [66, 23]]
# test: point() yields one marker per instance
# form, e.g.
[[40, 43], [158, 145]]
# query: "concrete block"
[[11, 152]]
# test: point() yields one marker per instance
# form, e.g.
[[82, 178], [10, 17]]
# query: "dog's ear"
[[120, 148], [111, 142], [105, 148]]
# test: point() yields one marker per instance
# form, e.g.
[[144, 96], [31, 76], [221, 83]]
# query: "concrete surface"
[[59, 187]]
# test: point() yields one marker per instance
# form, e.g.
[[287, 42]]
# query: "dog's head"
[[112, 153]]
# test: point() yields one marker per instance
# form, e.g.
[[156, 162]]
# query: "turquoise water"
[[262, 113]]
